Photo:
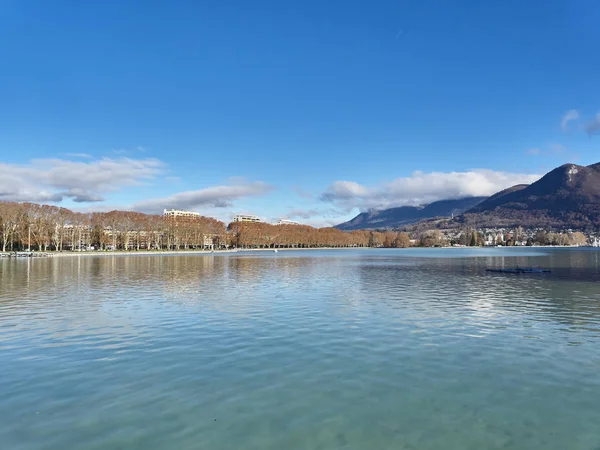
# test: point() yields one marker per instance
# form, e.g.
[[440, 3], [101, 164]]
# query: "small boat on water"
[[519, 270]]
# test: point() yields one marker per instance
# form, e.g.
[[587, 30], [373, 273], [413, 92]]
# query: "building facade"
[[287, 222], [246, 218], [179, 213]]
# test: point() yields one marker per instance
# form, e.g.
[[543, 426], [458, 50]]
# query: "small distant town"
[[494, 237], [29, 227]]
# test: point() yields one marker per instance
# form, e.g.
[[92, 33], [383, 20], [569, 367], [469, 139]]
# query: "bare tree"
[[9, 218]]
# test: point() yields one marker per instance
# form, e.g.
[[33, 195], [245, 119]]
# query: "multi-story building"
[[74, 237], [287, 222], [246, 218], [179, 213]]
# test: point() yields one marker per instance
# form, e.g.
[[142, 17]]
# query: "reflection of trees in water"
[[232, 284], [105, 274], [425, 287], [258, 269], [35, 278], [175, 277], [461, 287], [60, 293]]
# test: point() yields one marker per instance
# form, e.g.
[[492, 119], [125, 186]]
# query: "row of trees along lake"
[[45, 228]]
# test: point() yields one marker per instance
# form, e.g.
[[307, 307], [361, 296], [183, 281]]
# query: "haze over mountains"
[[566, 197]]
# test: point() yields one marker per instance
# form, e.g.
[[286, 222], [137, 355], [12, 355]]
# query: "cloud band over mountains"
[[422, 188], [88, 181]]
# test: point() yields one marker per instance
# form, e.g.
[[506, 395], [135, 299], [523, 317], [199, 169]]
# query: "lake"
[[348, 349]]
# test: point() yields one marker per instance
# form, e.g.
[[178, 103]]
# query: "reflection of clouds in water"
[[233, 285], [121, 285], [120, 292], [240, 285], [350, 339], [459, 293]]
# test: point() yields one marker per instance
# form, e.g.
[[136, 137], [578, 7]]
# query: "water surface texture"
[[372, 349]]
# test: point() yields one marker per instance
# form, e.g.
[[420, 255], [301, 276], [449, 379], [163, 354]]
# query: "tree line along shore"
[[31, 226], [46, 228]]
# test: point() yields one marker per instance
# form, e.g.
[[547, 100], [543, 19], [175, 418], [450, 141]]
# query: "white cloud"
[[317, 217], [79, 155], [216, 197], [303, 214], [326, 223], [534, 151], [593, 126], [422, 188], [53, 180], [570, 115], [342, 190]]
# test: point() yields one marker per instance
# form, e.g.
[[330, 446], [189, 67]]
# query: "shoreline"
[[66, 254], [191, 252]]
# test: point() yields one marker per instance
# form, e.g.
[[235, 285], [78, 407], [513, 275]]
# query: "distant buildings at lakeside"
[[516, 236], [256, 219], [246, 218], [179, 213], [287, 222]]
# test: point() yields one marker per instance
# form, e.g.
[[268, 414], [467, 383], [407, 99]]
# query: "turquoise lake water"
[[372, 349]]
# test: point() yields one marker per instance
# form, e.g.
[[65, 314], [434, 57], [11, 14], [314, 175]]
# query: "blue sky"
[[304, 109]]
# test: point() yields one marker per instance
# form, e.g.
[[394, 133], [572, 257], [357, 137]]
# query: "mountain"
[[566, 197], [499, 197], [406, 215]]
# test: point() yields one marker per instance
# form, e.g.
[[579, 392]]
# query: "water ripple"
[[348, 349]]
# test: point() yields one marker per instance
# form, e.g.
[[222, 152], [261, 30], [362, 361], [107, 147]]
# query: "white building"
[[179, 213], [246, 218], [287, 222]]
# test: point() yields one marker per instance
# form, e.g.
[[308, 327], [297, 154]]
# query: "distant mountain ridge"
[[566, 197], [406, 215]]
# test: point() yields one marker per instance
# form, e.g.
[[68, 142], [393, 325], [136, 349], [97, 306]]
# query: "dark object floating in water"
[[520, 270]]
